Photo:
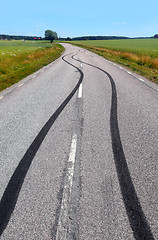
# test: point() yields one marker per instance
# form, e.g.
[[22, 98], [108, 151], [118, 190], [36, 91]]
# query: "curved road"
[[78, 150]]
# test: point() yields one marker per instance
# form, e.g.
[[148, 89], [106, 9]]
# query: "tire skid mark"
[[12, 191], [137, 219]]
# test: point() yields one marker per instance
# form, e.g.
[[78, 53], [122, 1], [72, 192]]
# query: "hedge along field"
[[140, 55], [18, 59]]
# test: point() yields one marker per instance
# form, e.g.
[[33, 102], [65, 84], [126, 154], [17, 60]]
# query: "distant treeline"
[[95, 38], [103, 38], [12, 37]]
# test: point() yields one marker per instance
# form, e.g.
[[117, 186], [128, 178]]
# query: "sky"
[[70, 18]]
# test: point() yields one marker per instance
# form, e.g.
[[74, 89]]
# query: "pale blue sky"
[[71, 18]]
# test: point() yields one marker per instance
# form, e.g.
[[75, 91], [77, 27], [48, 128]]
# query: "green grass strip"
[[144, 65], [17, 62]]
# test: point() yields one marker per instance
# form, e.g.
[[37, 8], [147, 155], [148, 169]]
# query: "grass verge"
[[16, 66], [144, 65]]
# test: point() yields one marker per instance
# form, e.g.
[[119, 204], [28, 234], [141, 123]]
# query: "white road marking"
[[71, 160], [64, 210], [81, 65], [80, 91], [21, 85], [141, 79], [1, 97], [130, 73]]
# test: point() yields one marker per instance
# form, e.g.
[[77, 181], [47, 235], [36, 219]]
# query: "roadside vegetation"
[[140, 55], [18, 59]]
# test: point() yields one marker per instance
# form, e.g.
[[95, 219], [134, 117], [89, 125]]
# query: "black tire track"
[[137, 219], [11, 193]]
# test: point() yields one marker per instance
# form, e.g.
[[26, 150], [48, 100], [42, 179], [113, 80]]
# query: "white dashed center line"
[[64, 210], [80, 91]]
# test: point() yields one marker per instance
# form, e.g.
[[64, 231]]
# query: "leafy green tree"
[[50, 35]]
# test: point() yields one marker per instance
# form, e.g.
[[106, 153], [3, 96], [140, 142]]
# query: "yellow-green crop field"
[[140, 55], [18, 59]]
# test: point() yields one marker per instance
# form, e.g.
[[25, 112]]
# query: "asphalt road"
[[78, 153]]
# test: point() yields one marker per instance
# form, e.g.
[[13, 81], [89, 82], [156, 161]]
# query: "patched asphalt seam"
[[66, 222]]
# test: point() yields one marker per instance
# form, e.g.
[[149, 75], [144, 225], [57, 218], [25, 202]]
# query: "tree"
[[50, 35]]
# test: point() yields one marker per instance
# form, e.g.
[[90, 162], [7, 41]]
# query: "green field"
[[15, 45], [18, 59], [138, 46], [140, 55]]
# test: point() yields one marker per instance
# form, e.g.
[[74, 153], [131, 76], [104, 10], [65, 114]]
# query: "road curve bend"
[[79, 152]]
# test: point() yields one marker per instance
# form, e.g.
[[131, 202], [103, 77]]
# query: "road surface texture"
[[78, 153]]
